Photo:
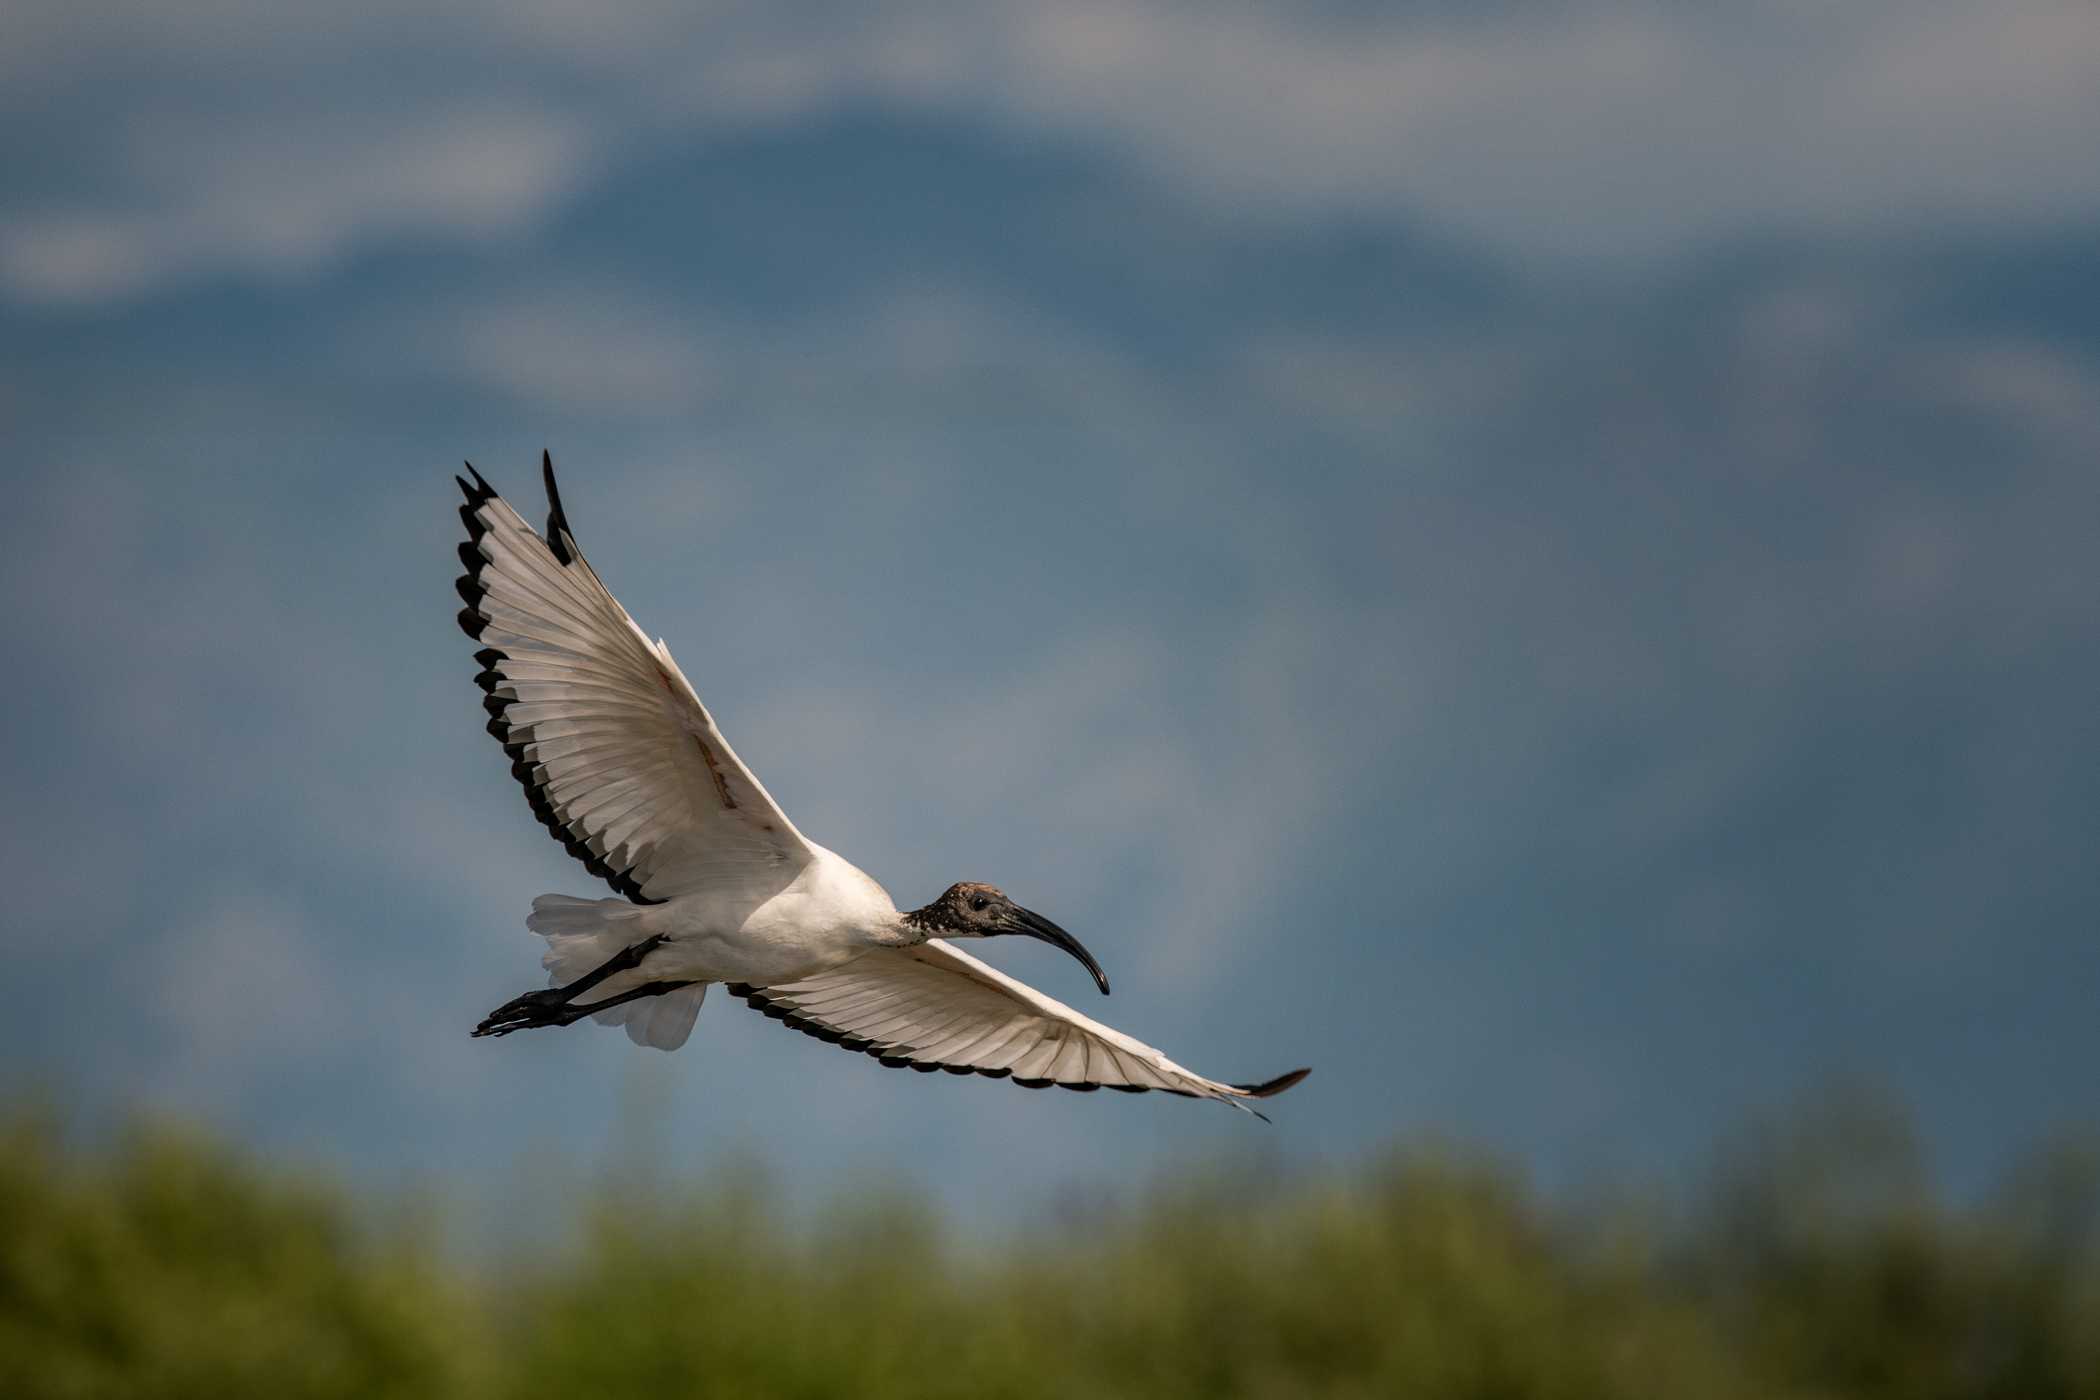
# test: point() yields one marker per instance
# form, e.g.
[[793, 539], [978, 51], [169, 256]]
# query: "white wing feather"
[[618, 756], [936, 1007]]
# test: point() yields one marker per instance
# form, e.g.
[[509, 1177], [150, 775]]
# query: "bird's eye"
[[978, 905]]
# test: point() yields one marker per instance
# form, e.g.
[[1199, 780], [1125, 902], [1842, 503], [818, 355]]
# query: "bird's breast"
[[821, 921]]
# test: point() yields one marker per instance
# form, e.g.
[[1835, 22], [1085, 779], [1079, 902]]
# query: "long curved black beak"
[[1036, 926]]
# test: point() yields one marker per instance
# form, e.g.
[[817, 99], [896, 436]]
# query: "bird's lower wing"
[[936, 1007]]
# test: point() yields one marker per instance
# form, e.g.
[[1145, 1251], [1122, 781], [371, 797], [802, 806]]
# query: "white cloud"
[[282, 200], [1600, 129], [269, 138]]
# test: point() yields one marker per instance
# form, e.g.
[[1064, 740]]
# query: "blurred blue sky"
[[1537, 559]]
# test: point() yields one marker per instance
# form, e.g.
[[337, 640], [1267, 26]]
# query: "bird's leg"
[[567, 1015], [551, 1006]]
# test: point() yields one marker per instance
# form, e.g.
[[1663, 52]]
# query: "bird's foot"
[[531, 1011], [552, 1007]]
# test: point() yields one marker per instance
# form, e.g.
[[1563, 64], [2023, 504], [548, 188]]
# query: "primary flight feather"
[[626, 768]]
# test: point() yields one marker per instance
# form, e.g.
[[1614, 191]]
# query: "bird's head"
[[979, 911]]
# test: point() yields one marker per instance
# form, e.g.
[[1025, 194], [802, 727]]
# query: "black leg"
[[568, 1015], [552, 1007]]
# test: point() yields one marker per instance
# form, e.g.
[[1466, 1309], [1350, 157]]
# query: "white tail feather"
[[581, 934], [661, 1022]]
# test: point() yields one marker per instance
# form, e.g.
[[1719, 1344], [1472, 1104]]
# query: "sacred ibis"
[[626, 768]]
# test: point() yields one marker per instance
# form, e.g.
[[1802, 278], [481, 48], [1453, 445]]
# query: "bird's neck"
[[919, 919], [897, 931]]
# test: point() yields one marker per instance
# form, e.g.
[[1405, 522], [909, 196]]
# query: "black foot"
[[530, 1012], [554, 1006]]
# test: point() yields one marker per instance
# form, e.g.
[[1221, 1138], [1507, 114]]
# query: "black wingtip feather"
[[479, 494], [1275, 1086], [557, 520]]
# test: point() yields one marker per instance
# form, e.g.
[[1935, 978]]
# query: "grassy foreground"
[[1816, 1264]]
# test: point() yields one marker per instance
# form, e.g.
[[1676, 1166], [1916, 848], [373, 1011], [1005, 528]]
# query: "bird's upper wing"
[[618, 756], [936, 1007]]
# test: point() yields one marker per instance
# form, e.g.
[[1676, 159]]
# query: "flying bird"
[[626, 768]]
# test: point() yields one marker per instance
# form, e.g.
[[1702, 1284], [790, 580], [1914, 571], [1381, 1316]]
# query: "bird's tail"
[[581, 935]]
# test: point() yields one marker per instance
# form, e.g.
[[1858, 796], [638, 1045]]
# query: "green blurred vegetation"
[[1816, 1262], [168, 1267]]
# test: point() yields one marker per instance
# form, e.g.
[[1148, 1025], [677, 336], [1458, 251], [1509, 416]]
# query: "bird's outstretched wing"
[[619, 758], [936, 1007]]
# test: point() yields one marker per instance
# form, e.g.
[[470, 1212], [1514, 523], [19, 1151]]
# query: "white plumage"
[[626, 768]]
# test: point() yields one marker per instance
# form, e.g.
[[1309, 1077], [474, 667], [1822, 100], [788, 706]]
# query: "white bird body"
[[626, 768], [829, 915]]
